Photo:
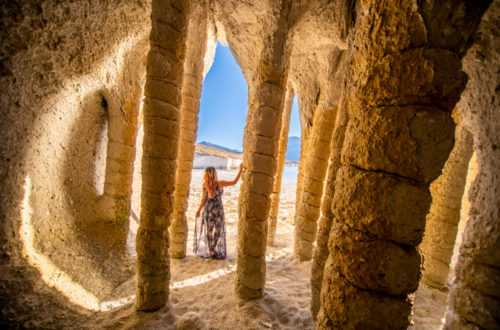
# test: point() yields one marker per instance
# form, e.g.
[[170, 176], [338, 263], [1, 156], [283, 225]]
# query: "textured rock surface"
[[313, 175], [344, 306], [397, 139], [191, 91], [190, 321], [70, 75], [442, 221], [474, 296], [162, 105], [275, 195], [266, 103], [72, 79], [321, 251]]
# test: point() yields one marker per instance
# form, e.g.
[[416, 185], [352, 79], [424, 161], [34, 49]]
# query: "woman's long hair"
[[209, 179]]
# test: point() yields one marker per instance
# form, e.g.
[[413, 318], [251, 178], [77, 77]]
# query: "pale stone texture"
[[321, 251], [122, 126], [71, 79], [275, 195], [344, 306], [191, 92], [162, 107], [442, 221], [266, 104], [317, 153], [475, 292], [402, 94]]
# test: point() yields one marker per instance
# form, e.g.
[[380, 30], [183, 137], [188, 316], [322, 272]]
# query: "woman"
[[210, 232]]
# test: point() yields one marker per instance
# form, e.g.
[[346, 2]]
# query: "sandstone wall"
[[275, 195], [441, 225], [397, 139], [474, 296], [321, 251], [196, 42], [162, 124], [68, 88], [313, 176]]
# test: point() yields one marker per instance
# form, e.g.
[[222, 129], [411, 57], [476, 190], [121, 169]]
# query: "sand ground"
[[202, 292]]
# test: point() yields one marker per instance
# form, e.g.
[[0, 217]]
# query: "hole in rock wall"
[[101, 150]]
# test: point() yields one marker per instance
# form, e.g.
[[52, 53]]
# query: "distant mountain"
[[210, 144], [293, 148]]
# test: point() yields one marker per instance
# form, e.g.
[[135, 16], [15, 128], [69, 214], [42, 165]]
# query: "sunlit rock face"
[[377, 82], [72, 79]]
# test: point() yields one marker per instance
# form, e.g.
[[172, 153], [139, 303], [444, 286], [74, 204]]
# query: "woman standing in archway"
[[210, 231]]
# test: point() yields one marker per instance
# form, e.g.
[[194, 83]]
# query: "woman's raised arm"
[[223, 184]]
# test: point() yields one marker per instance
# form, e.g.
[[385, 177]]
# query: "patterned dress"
[[210, 231]]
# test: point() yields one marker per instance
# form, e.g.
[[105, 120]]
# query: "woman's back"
[[210, 231]]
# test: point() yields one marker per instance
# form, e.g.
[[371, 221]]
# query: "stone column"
[[474, 299], [398, 137], [123, 126], [275, 195], [260, 151], [321, 251], [442, 221], [314, 172], [304, 140], [161, 136], [191, 91]]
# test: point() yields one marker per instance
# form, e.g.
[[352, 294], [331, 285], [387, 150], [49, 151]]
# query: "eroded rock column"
[[398, 137], [305, 134], [260, 146], [304, 140], [442, 221], [321, 251], [275, 195], [260, 151], [474, 300], [161, 135], [191, 91], [314, 172], [123, 126]]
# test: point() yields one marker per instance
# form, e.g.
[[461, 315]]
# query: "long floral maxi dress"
[[210, 231]]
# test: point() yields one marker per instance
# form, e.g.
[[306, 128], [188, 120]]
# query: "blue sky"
[[223, 103]]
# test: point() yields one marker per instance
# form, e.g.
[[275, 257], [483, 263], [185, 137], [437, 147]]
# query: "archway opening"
[[222, 114], [219, 143]]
